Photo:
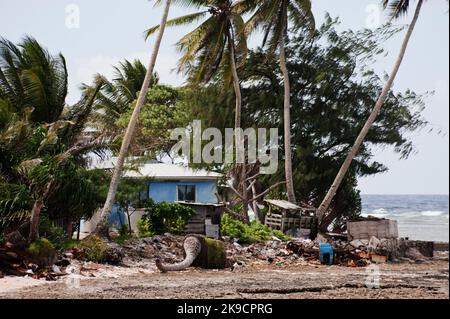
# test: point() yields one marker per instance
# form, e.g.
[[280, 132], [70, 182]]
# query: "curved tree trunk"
[[192, 247], [237, 124], [102, 227], [362, 135], [287, 125], [36, 214]]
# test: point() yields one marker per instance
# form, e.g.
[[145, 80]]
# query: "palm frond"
[[187, 19], [396, 8]]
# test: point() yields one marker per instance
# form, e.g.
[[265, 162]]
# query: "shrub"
[[94, 248], [144, 229], [248, 234], [164, 218], [42, 252], [55, 234]]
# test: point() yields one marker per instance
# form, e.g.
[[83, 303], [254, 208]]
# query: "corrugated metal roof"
[[283, 204], [160, 171]]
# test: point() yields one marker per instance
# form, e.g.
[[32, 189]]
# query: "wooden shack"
[[206, 220], [286, 216]]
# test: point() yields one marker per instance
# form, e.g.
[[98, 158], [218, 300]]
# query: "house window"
[[186, 193]]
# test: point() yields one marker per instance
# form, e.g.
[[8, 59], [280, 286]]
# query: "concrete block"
[[383, 228]]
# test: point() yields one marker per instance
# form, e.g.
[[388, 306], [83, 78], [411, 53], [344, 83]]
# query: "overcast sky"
[[109, 30]]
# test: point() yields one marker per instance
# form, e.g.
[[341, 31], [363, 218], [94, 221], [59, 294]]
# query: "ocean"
[[420, 217]]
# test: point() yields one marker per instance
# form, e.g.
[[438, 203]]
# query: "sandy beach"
[[428, 280]]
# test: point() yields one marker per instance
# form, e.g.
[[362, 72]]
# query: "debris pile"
[[142, 253]]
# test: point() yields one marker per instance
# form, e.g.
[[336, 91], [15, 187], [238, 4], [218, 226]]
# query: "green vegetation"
[[248, 234], [215, 251], [42, 252], [55, 234], [93, 249], [329, 92], [164, 218]]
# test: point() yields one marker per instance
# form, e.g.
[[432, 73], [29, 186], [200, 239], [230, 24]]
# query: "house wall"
[[167, 191]]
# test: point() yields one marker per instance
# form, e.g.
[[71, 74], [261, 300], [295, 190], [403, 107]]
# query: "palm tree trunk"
[[237, 124], [34, 221], [36, 214], [362, 135], [287, 125], [102, 227]]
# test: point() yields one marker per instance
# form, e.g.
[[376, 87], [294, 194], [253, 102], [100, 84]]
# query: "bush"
[[94, 248], [144, 229], [164, 218], [42, 252], [55, 234], [248, 234]]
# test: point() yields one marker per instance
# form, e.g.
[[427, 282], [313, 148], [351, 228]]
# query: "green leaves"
[[272, 17], [396, 8], [165, 218], [248, 234]]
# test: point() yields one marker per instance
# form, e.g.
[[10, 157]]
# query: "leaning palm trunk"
[[102, 227], [36, 214], [240, 143], [362, 135], [287, 125]]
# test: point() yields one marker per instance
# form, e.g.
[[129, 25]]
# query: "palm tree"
[[397, 8], [273, 17], [39, 129], [102, 227], [218, 44], [31, 78], [116, 96]]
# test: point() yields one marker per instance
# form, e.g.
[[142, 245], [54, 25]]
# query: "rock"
[[114, 254], [238, 266], [362, 263], [56, 270], [414, 254], [379, 259], [64, 262], [68, 255], [114, 233], [357, 243], [373, 244], [237, 246], [16, 240]]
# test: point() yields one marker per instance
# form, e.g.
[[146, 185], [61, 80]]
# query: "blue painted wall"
[[168, 191]]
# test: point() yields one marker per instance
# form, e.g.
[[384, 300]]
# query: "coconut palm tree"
[[396, 9], [39, 129], [102, 226], [273, 17], [218, 44], [116, 96], [31, 78]]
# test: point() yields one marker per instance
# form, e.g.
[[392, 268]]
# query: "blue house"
[[167, 183]]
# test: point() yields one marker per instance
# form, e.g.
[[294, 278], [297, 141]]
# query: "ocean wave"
[[383, 213], [432, 213], [379, 213]]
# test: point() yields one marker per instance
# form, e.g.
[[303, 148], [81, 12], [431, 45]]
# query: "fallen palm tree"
[[199, 251]]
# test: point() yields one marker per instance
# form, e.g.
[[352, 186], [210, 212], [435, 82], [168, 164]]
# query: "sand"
[[401, 280]]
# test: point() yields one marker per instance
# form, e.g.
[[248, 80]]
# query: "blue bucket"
[[326, 254]]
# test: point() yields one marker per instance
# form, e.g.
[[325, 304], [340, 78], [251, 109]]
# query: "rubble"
[[142, 253]]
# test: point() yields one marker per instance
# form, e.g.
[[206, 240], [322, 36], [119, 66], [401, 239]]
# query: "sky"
[[94, 35]]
